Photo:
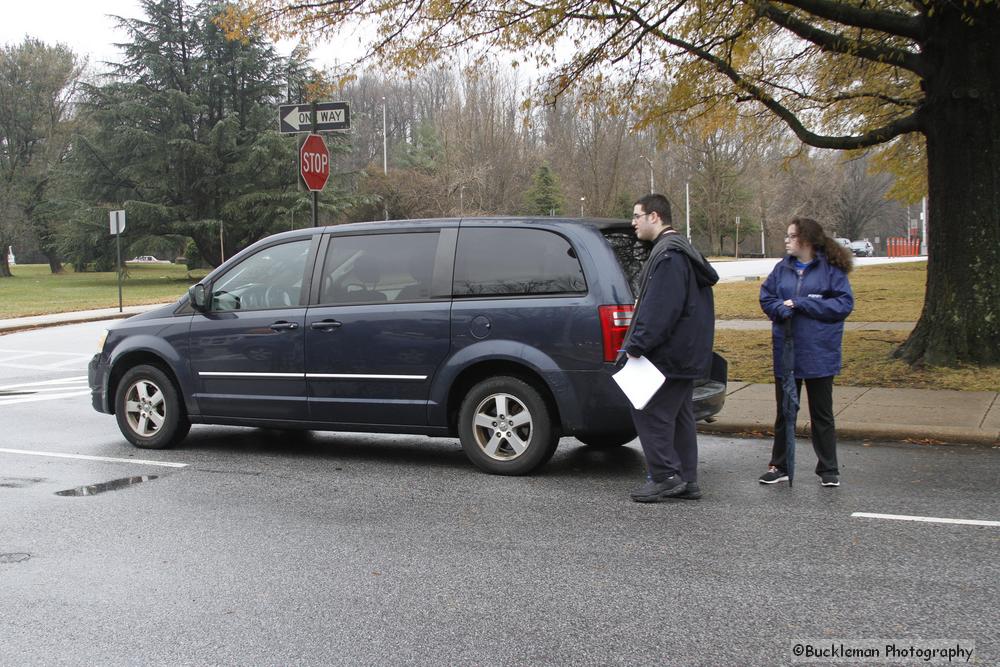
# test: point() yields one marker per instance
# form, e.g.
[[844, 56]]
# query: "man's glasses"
[[791, 236], [636, 216]]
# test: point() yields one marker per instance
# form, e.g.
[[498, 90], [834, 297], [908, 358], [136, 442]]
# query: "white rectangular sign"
[[117, 222]]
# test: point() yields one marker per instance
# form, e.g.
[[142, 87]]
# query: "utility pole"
[[737, 237]]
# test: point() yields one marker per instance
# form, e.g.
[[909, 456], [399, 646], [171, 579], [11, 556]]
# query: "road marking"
[[78, 378], [83, 457], [926, 519], [42, 397]]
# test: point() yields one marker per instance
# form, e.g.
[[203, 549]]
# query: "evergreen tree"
[[182, 135], [544, 197]]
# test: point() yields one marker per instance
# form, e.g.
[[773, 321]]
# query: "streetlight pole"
[[687, 209], [650, 163], [385, 159]]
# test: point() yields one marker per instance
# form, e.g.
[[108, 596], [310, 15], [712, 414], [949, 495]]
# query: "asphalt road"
[[271, 548]]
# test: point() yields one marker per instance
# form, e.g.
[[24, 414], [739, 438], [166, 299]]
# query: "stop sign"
[[314, 162]]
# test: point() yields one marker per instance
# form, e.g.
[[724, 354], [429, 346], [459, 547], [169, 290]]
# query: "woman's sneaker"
[[773, 476]]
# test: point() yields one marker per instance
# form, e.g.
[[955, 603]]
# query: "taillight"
[[614, 325]]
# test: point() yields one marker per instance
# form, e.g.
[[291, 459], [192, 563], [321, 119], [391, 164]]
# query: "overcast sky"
[[82, 25], [86, 26]]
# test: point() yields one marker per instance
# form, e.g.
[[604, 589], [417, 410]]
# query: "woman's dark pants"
[[824, 435]]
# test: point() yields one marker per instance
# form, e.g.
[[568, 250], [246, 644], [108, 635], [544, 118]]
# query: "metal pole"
[[923, 235], [650, 163], [118, 243], [222, 243], [737, 237], [582, 199], [385, 158], [687, 208], [315, 194], [763, 251]]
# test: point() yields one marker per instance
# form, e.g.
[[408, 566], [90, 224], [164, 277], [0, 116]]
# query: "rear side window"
[[379, 267], [630, 252], [506, 262]]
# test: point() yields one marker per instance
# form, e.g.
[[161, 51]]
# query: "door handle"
[[284, 326], [326, 325]]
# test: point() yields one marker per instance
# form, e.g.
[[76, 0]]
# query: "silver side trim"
[[313, 376], [218, 374], [359, 376]]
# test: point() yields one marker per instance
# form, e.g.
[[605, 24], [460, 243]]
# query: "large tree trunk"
[[4, 266], [961, 317]]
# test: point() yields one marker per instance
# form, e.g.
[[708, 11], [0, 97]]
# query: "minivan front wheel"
[[505, 427], [148, 409]]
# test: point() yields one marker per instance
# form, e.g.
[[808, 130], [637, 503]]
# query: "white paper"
[[639, 379]]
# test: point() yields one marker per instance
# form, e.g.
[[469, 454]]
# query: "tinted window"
[[630, 252], [378, 267], [506, 261], [270, 278]]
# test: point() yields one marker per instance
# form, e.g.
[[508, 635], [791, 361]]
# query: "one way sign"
[[330, 117]]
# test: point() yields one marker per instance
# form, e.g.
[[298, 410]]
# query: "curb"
[[942, 435]]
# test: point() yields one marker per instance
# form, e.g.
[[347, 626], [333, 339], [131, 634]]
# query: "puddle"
[[113, 485], [18, 482]]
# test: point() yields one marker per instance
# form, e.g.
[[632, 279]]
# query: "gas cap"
[[480, 327]]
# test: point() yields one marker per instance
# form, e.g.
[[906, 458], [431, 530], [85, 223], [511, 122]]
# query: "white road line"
[[21, 356], [77, 378], [926, 519], [44, 397], [53, 352], [106, 459], [59, 366]]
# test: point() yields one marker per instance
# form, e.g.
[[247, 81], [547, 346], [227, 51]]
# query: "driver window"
[[270, 278]]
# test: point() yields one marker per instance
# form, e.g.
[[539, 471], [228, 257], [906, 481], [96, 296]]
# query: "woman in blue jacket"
[[809, 286]]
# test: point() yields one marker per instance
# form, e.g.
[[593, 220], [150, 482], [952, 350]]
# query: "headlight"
[[100, 341]]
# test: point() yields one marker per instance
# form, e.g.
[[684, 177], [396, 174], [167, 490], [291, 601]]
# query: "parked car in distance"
[[502, 332], [862, 248], [148, 259]]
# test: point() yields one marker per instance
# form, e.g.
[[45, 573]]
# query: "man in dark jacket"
[[673, 326]]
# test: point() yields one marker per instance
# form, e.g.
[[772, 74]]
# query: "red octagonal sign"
[[314, 162]]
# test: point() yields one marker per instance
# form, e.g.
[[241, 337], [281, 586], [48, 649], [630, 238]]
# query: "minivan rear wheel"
[[148, 409], [505, 427]]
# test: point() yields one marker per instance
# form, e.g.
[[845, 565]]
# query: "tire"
[[148, 410], [606, 440], [505, 427]]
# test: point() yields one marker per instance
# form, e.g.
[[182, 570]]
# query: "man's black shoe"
[[652, 491], [692, 492]]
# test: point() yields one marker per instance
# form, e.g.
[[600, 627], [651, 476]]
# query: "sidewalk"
[[863, 413]]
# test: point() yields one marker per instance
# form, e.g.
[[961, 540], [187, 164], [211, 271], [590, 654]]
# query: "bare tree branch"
[[836, 43]]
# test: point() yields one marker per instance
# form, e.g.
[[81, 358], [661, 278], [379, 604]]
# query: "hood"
[[704, 274]]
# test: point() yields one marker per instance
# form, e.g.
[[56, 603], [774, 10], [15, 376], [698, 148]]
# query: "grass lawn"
[[34, 290], [882, 293], [867, 362]]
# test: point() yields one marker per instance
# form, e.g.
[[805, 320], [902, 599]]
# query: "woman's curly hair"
[[811, 232]]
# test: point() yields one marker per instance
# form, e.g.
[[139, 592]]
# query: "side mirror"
[[199, 297]]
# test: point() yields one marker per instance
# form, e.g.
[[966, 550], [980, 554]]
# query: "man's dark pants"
[[821, 425], [667, 432]]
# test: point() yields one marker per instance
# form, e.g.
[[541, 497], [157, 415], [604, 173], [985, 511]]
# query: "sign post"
[[314, 165], [117, 227]]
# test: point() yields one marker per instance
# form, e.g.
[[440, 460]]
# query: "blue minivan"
[[500, 331]]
